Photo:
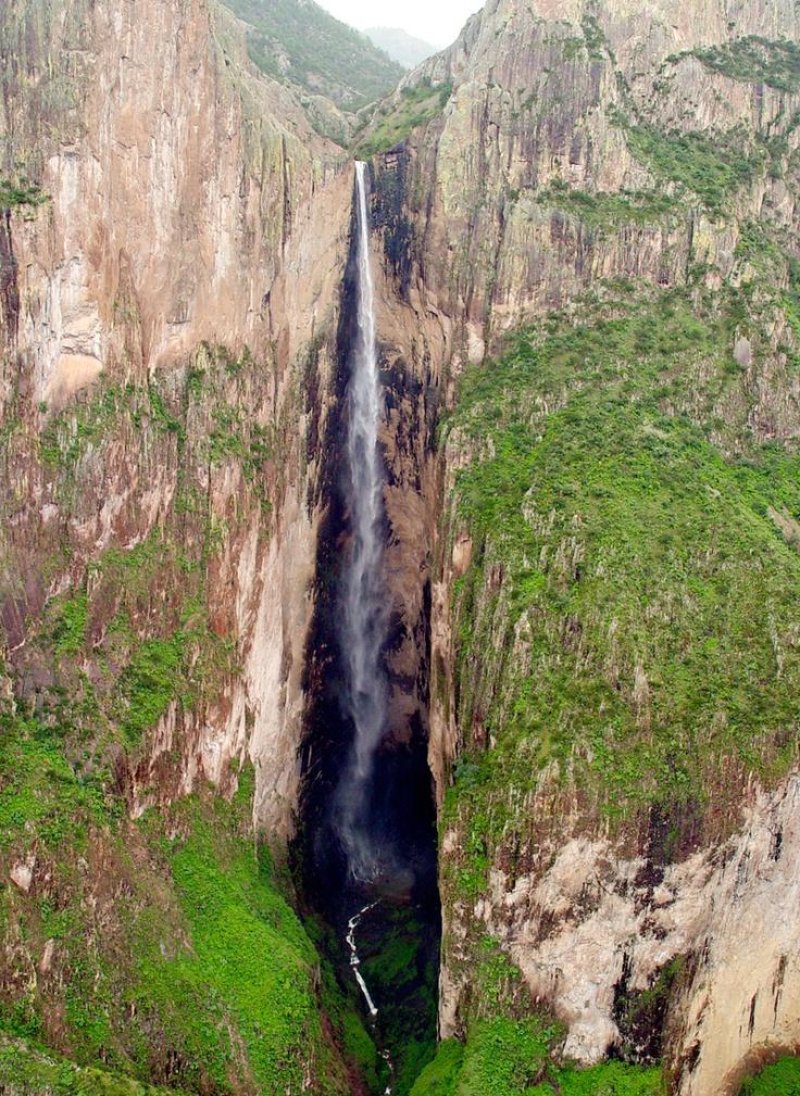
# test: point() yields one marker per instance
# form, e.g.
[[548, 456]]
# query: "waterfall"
[[363, 623], [369, 826]]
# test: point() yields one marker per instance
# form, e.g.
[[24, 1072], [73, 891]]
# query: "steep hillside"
[[167, 291], [299, 41], [401, 46], [586, 262], [614, 619]]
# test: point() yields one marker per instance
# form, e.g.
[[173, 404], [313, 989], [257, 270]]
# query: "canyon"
[[585, 270]]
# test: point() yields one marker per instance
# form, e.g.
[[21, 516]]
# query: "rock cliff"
[[586, 159], [173, 234], [163, 310]]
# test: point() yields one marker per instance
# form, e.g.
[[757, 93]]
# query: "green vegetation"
[[509, 1052], [173, 959], [68, 437], [600, 210], [173, 950], [397, 117], [606, 1079], [440, 1077], [645, 578], [756, 60], [505, 1057], [400, 970], [139, 631], [149, 683], [303, 43], [217, 382], [69, 634], [41, 799], [20, 194], [782, 1078], [594, 37], [249, 958], [342, 1004], [640, 1015], [29, 1071], [712, 168], [115, 688]]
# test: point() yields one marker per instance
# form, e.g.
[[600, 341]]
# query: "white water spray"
[[364, 618]]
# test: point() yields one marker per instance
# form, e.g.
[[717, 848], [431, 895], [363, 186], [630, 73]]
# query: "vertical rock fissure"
[[367, 837]]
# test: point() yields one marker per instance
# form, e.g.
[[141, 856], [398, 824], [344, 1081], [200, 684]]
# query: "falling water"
[[364, 621], [369, 811]]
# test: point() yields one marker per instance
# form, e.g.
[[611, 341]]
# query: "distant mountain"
[[401, 47], [298, 41]]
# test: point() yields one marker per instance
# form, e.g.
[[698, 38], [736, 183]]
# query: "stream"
[[355, 963]]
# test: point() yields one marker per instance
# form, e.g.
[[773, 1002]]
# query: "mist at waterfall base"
[[368, 824]]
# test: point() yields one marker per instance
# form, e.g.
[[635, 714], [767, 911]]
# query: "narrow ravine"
[[355, 964], [355, 961], [367, 843], [364, 620]]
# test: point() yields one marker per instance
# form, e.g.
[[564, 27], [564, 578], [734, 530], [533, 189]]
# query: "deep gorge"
[[578, 833], [396, 803]]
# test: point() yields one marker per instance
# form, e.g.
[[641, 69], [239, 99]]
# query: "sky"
[[435, 21]]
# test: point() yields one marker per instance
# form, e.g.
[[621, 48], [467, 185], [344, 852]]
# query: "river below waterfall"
[[355, 964]]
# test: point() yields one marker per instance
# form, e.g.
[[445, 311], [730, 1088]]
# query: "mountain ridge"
[[300, 41], [401, 46]]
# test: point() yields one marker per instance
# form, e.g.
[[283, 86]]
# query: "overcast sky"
[[435, 21]]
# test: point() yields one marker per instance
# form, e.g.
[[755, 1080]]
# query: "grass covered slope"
[[511, 1049], [157, 945], [625, 615], [513, 1058], [161, 950], [26, 1071], [395, 118], [630, 611], [782, 1078]]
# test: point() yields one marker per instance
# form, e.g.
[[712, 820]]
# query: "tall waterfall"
[[368, 809], [363, 622]]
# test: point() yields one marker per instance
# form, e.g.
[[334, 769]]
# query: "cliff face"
[[613, 176], [571, 105], [179, 223], [168, 319]]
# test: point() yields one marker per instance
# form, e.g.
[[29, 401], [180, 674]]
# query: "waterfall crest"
[[364, 618]]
